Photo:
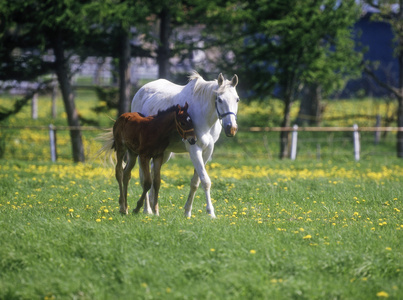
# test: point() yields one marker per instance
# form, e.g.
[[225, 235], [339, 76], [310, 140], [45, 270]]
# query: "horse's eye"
[[219, 100], [237, 100]]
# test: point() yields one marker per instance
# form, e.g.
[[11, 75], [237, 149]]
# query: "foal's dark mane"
[[168, 110]]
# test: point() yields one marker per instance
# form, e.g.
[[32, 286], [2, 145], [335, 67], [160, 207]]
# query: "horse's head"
[[184, 124], [226, 104]]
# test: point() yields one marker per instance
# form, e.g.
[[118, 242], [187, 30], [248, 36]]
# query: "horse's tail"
[[109, 145]]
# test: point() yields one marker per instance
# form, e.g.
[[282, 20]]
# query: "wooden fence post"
[[377, 133], [357, 147], [52, 140], [34, 107], [294, 140]]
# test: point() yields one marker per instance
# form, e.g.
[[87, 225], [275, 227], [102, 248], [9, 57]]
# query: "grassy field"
[[327, 228], [305, 230]]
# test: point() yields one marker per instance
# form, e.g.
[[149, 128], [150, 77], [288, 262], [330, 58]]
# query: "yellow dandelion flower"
[[307, 237], [252, 251], [98, 220], [388, 248], [71, 210], [382, 294], [212, 249]]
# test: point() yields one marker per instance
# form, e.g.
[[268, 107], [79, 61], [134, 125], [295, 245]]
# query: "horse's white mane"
[[205, 89]]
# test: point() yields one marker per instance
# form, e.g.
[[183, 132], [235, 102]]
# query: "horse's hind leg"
[[157, 163], [145, 182], [131, 162]]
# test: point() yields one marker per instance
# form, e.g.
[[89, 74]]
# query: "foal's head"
[[184, 124]]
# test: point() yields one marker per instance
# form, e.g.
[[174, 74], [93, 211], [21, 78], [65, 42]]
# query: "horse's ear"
[[234, 80], [185, 108], [178, 108], [220, 79]]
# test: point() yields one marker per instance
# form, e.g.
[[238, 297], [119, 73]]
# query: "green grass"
[[304, 230], [314, 228]]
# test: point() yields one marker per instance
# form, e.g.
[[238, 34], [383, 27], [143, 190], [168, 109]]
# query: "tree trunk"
[[62, 71], [163, 49], [284, 134], [311, 108], [124, 72]]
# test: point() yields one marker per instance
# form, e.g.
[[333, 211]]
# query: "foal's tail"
[[109, 146]]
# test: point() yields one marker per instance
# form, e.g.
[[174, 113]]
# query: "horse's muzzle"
[[230, 130]]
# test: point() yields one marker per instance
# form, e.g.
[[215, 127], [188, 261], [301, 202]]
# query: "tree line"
[[275, 46]]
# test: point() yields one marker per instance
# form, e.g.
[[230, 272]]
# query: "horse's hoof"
[[212, 215], [124, 212]]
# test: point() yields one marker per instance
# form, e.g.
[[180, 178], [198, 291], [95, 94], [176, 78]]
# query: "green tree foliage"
[[113, 31], [392, 13], [33, 29], [283, 46]]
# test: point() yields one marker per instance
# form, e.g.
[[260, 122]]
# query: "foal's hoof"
[[124, 212]]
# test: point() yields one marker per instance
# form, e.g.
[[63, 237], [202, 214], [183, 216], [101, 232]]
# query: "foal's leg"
[[131, 162], [147, 207], [119, 177], [156, 182], [150, 198], [145, 182]]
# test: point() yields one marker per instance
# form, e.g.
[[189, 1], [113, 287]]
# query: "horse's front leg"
[[157, 163], [145, 182], [194, 184], [199, 159]]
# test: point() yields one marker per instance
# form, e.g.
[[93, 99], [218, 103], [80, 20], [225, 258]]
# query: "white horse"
[[209, 102]]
